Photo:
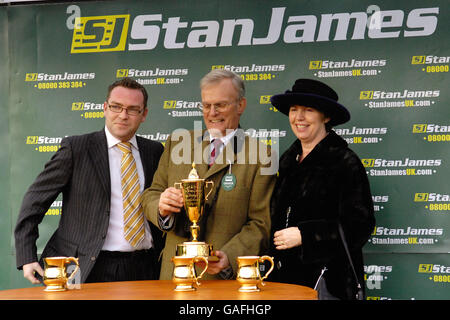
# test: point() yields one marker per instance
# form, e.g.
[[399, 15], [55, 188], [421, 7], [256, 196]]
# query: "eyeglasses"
[[129, 111], [218, 107]]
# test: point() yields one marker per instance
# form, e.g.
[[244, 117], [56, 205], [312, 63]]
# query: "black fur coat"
[[329, 186]]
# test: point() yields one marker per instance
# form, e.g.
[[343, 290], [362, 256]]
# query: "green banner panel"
[[5, 214], [408, 276]]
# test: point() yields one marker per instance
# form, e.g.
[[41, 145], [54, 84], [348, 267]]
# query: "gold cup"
[[184, 274], [248, 274], [55, 272], [194, 196]]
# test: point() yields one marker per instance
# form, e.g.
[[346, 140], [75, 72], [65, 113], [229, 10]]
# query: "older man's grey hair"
[[217, 75]]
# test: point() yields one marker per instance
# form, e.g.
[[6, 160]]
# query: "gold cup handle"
[[205, 260], [262, 259], [210, 190], [77, 266]]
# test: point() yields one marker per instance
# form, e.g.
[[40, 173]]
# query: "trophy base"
[[54, 288], [195, 249], [184, 288], [249, 288]]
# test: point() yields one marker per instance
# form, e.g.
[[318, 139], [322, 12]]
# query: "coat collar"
[[98, 151], [231, 150], [322, 152]]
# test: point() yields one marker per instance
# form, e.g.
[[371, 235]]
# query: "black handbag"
[[360, 291], [321, 287]]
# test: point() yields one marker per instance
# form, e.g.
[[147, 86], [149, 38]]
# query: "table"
[[163, 290]]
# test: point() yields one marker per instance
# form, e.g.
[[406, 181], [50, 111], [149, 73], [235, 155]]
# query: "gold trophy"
[[55, 273], [248, 274], [193, 189], [184, 275]]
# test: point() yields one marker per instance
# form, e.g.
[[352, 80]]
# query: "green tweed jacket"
[[235, 221]]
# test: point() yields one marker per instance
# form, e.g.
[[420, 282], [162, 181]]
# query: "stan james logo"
[[42, 140], [419, 128], [122, 73], [418, 60], [315, 65], [433, 268], [111, 32], [375, 163], [366, 95], [328, 64], [31, 77], [421, 197], [429, 60], [431, 197], [100, 33], [180, 104], [378, 94], [430, 128], [264, 99]]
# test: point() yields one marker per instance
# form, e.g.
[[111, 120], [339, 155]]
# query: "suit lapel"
[[145, 158], [98, 151], [199, 143]]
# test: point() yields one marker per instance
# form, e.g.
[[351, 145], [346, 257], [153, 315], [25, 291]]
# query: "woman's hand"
[[287, 238]]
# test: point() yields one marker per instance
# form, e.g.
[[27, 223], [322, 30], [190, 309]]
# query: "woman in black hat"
[[322, 196]]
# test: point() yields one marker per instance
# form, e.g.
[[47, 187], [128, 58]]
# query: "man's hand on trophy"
[[29, 272], [171, 200], [214, 267]]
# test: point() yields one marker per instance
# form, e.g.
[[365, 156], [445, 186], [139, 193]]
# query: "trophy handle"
[[210, 190], [205, 260], [177, 185], [262, 259], [77, 267]]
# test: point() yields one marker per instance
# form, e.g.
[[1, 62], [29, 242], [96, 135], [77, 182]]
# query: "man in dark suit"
[[87, 171]]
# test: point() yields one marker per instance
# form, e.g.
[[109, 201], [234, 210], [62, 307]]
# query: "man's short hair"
[[130, 84], [218, 75]]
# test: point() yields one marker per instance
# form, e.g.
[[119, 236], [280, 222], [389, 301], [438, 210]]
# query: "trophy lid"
[[193, 175]]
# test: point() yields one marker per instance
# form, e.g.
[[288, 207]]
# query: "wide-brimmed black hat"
[[314, 94]]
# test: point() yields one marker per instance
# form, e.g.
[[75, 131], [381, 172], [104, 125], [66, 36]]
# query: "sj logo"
[[217, 67], [32, 139], [264, 100], [419, 128], [121, 73], [100, 33], [365, 95], [368, 162], [31, 77], [421, 197], [170, 104], [418, 60], [425, 268], [77, 106], [315, 64]]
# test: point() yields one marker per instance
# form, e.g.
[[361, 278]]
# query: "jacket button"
[[92, 258]]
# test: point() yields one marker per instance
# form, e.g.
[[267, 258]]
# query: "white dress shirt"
[[224, 140], [115, 240]]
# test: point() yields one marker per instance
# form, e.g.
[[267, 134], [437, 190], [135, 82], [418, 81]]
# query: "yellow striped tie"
[[133, 218]]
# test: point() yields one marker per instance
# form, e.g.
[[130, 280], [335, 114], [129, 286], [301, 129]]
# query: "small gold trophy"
[[184, 273], [193, 189], [248, 274], [55, 272]]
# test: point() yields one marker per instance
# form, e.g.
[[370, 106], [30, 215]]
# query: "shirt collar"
[[112, 141], [225, 139]]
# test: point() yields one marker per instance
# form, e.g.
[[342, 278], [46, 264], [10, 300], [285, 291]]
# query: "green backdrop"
[[389, 62]]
